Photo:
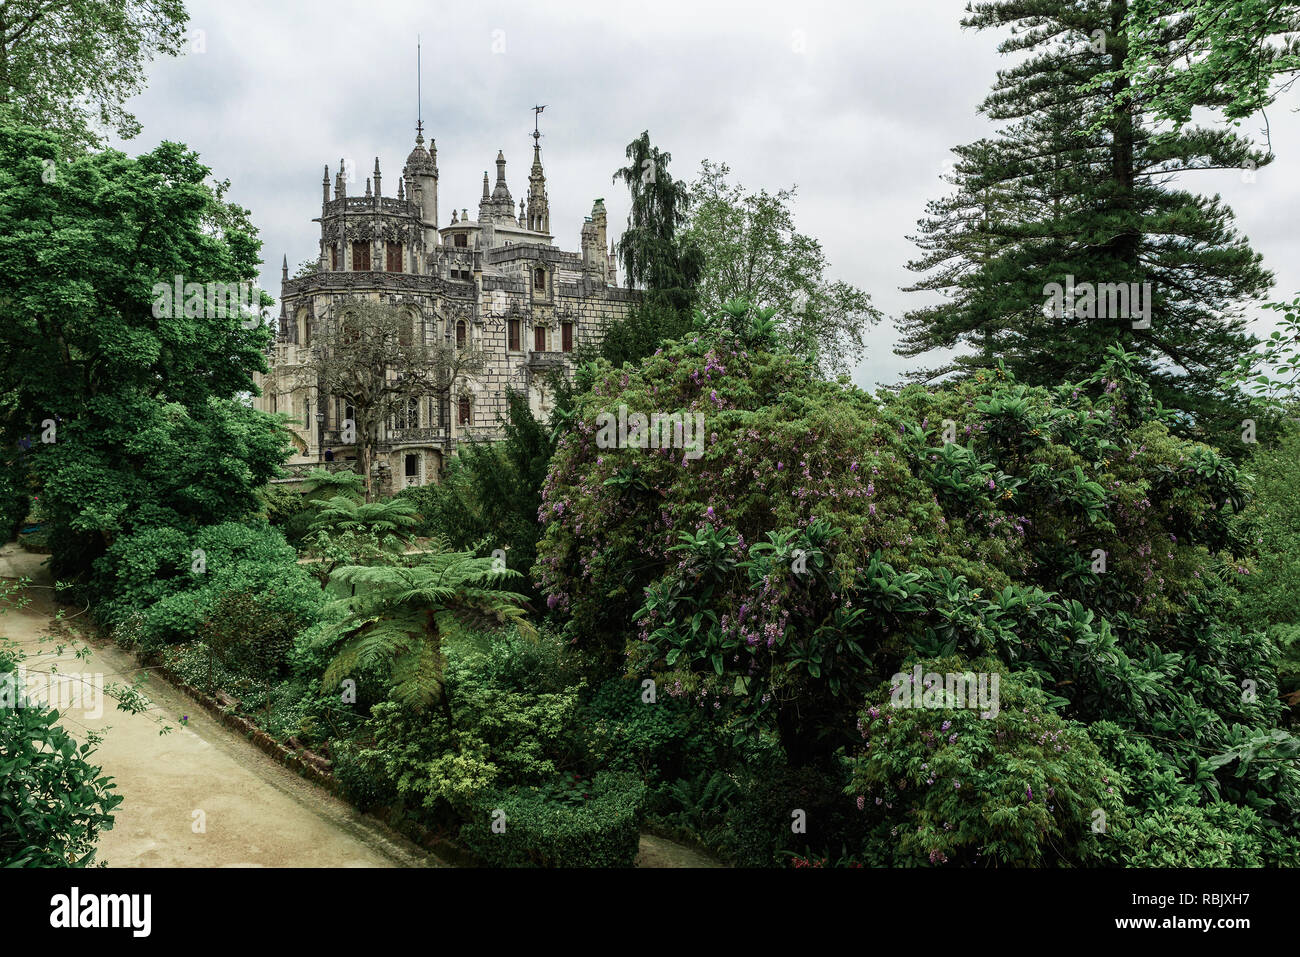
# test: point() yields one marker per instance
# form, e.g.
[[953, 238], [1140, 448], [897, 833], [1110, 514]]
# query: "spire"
[[419, 96], [367, 187], [401, 189], [325, 185], [485, 186], [501, 168], [378, 190], [284, 269]]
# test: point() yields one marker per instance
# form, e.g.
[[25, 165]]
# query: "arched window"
[[462, 412], [566, 336], [539, 279], [460, 333]]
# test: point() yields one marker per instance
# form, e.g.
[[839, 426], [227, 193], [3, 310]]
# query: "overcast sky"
[[856, 102]]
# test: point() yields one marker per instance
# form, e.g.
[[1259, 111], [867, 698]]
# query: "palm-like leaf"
[[399, 617], [344, 514]]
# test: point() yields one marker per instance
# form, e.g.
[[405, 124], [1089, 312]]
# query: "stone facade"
[[497, 283]]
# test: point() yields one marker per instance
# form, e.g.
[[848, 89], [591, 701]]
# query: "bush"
[[758, 830], [1013, 786], [175, 580], [53, 802], [513, 703], [542, 830]]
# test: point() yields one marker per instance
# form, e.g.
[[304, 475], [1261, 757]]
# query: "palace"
[[496, 283]]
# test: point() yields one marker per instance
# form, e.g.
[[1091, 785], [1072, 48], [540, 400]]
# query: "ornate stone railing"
[[296, 473]]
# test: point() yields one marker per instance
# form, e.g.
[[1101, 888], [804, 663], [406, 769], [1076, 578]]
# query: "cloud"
[[857, 103]]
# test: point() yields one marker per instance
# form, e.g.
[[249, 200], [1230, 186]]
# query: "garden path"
[[256, 813]]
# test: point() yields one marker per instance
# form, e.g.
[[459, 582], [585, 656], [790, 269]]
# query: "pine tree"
[[1081, 183]]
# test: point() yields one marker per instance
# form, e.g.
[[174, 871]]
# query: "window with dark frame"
[[463, 410], [539, 339], [360, 255], [334, 257], [566, 336], [539, 279], [514, 345], [460, 334], [461, 240], [394, 257]]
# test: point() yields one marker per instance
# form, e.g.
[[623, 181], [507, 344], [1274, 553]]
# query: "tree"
[[491, 492], [1160, 271], [401, 617], [70, 65], [1228, 54], [373, 356], [752, 252], [655, 258], [128, 400]]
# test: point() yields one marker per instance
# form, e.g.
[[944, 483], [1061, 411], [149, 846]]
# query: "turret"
[[421, 175]]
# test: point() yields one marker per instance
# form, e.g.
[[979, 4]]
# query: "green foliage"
[[72, 66], [752, 252], [515, 701], [400, 617], [1226, 55], [541, 831], [490, 492], [149, 425], [170, 582], [1017, 787], [824, 537], [1057, 197], [54, 803]]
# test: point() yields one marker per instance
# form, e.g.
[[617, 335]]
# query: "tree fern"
[[399, 617]]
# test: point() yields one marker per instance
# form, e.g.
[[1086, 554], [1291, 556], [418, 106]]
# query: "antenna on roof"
[[419, 91]]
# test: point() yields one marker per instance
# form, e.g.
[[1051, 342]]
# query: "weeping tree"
[[376, 358], [656, 256]]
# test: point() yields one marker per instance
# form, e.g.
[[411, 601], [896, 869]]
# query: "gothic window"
[[539, 280], [462, 411], [566, 336], [539, 339], [460, 334], [360, 255], [514, 345], [334, 257], [394, 251], [410, 418], [461, 239]]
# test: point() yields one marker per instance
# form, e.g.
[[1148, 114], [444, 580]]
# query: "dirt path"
[[256, 813]]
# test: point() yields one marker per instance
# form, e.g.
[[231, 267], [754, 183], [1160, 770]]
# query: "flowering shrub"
[[1022, 786], [826, 536]]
